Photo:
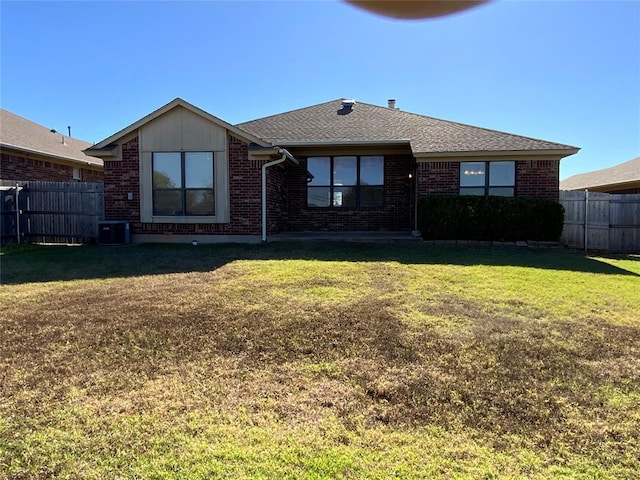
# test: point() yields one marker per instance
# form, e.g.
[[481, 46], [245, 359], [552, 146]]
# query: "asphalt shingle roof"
[[618, 174], [328, 122], [23, 134]]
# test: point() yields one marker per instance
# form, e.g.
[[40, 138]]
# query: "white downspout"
[[264, 192]]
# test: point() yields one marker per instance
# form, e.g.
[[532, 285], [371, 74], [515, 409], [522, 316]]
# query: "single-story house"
[[29, 151], [182, 174], [621, 178]]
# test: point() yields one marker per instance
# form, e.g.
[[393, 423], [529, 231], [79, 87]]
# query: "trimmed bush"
[[490, 218]]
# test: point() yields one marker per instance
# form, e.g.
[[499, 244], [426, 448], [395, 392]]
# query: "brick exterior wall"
[[438, 178], [123, 176], [92, 175], [120, 178], [396, 215], [538, 179], [277, 214], [20, 167], [534, 178], [287, 194]]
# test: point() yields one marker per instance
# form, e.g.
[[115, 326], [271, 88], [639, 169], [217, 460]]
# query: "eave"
[[556, 153], [66, 160], [260, 153], [349, 147], [178, 102], [342, 143], [603, 187], [106, 153]]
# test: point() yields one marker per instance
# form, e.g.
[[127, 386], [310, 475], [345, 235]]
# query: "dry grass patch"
[[322, 369]]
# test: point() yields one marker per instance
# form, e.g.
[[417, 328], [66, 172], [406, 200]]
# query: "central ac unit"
[[113, 232]]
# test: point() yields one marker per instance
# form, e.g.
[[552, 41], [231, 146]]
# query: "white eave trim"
[[340, 143], [178, 102], [271, 153], [109, 152], [51, 155], [622, 185], [497, 153]]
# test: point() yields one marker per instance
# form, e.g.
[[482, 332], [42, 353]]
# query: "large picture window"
[[488, 178], [346, 182], [183, 184]]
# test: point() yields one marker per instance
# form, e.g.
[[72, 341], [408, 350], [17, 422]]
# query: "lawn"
[[318, 361]]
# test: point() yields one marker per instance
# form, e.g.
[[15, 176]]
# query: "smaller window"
[[77, 175], [488, 178], [371, 181], [319, 188]]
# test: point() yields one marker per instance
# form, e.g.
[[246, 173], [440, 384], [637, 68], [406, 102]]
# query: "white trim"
[[178, 102], [420, 156], [339, 143], [90, 162], [221, 191]]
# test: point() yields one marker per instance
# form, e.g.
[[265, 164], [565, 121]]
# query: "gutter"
[[285, 156], [565, 152], [354, 143]]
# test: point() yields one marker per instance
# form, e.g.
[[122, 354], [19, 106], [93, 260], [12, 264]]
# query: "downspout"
[[264, 190]]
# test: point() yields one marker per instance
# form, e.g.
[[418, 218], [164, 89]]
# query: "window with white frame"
[[183, 183], [346, 181], [488, 178]]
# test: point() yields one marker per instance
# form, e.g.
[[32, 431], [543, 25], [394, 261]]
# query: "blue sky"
[[564, 71]]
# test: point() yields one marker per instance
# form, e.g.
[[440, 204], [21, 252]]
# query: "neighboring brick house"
[[181, 174], [29, 151], [621, 178]]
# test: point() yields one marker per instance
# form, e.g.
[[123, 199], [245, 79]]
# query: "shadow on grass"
[[27, 264]]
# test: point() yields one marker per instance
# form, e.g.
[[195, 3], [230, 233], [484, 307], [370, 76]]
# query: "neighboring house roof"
[[104, 146], [331, 123], [18, 133], [618, 177]]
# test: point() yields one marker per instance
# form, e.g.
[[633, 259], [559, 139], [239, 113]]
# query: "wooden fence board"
[[55, 212], [612, 221]]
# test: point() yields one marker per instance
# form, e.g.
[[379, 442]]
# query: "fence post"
[[18, 212], [586, 220]]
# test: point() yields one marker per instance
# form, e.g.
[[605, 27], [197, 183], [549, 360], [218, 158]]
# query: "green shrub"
[[490, 218]]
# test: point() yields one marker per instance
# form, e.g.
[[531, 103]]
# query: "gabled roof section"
[[330, 122], [620, 174], [18, 133], [178, 102]]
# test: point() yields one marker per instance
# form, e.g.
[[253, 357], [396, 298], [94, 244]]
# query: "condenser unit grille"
[[113, 232]]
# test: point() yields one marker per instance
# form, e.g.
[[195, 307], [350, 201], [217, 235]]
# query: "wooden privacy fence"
[[601, 221], [50, 212]]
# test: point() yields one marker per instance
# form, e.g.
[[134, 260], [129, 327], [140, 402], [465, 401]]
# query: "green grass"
[[318, 360]]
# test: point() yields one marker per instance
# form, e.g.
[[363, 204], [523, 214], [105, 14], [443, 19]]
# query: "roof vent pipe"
[[391, 103]]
